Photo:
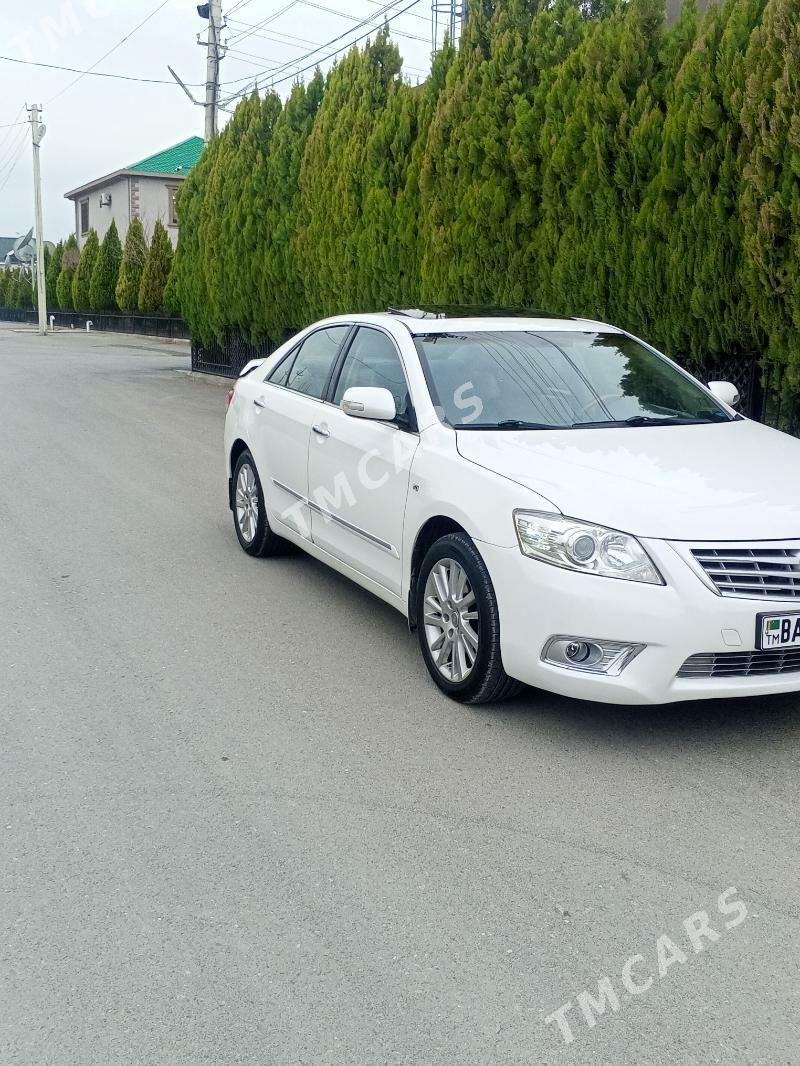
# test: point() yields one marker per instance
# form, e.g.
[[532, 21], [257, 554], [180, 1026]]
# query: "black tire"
[[263, 542], [487, 681]]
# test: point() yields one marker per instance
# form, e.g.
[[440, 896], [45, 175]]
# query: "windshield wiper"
[[647, 420], [511, 423]]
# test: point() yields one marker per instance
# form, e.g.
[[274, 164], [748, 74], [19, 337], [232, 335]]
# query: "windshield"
[[565, 379]]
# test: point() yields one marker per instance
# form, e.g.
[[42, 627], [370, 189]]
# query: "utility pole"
[[213, 12], [448, 18], [37, 136]]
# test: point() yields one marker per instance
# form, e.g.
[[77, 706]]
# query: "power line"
[[119, 44], [274, 36], [361, 21], [9, 136], [264, 22], [364, 22], [331, 55], [14, 159], [11, 126], [413, 14], [94, 73]]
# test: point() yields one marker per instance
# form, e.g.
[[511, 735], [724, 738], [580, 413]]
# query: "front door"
[[358, 469], [285, 407]]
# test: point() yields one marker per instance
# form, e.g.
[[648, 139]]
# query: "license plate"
[[778, 631]]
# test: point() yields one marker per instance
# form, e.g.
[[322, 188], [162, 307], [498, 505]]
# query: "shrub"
[[156, 271], [82, 280], [103, 284], [134, 256]]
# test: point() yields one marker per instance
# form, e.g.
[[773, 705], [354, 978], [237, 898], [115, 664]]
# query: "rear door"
[[358, 469], [285, 407]]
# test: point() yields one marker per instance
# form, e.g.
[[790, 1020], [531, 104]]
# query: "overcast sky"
[[99, 125]]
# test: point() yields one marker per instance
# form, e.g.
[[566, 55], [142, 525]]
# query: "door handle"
[[321, 431], [259, 403]]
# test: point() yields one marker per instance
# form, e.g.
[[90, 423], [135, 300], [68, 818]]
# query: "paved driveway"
[[238, 824]]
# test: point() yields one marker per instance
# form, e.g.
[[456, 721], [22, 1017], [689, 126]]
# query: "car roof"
[[421, 324]]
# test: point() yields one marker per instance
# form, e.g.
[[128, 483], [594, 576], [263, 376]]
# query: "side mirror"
[[372, 403], [725, 391]]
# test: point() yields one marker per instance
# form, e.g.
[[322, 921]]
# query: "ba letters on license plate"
[[779, 631]]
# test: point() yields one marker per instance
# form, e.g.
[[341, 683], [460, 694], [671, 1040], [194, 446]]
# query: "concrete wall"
[[100, 217], [140, 195], [154, 204]]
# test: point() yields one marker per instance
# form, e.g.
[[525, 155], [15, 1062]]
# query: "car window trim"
[[295, 351], [290, 355], [333, 384]]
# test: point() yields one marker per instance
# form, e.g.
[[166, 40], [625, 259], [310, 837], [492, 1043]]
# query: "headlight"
[[584, 547]]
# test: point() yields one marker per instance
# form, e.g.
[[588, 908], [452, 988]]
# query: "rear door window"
[[311, 367]]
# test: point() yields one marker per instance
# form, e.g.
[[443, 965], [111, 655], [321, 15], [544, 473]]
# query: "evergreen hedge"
[[81, 282], [69, 264], [52, 274], [130, 272], [105, 273], [156, 272], [580, 157]]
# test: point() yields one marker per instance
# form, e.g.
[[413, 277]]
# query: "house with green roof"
[[144, 190]]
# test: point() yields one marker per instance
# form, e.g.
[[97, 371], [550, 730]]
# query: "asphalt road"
[[238, 824]]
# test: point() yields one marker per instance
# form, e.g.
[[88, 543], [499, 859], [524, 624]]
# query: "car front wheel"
[[458, 623], [249, 514]]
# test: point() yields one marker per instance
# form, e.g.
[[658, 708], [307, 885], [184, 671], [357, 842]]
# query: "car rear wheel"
[[249, 514], [458, 623]]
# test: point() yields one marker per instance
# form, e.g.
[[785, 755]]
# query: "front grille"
[[771, 573], [741, 663]]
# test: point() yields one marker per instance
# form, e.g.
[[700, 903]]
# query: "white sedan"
[[548, 501]]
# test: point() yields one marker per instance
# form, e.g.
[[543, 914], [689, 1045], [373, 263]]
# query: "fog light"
[[577, 651], [608, 657]]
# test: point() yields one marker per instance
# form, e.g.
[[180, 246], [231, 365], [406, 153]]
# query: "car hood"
[[728, 481]]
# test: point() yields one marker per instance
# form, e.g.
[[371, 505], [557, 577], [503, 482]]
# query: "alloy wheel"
[[451, 620], [247, 502]]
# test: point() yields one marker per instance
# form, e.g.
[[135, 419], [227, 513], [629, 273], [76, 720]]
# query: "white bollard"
[[89, 326], [52, 323]]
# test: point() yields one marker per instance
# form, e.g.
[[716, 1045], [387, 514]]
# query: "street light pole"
[[37, 136], [212, 67]]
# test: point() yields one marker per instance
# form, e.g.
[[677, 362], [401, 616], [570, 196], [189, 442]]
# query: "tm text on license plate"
[[778, 631]]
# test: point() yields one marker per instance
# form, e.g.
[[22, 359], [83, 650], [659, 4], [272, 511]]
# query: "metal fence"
[[744, 372], [143, 325], [226, 359]]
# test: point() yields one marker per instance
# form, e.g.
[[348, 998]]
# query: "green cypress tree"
[[704, 312], [241, 232], [769, 200], [83, 274], [23, 293], [468, 180], [156, 271], [332, 177], [131, 268], [51, 277], [4, 279], [589, 181], [105, 273], [10, 287], [282, 302], [69, 264]]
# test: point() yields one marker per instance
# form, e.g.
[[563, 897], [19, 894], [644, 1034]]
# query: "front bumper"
[[674, 621]]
